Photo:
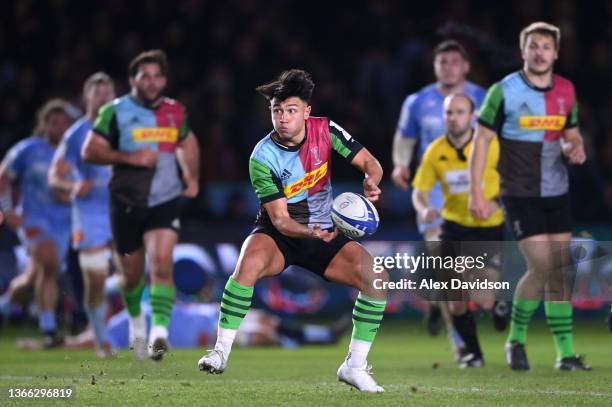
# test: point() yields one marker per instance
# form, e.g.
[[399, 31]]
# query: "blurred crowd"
[[365, 56]]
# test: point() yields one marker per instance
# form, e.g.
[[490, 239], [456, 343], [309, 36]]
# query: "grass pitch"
[[415, 370]]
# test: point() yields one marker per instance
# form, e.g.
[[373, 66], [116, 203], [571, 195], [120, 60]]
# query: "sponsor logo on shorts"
[[309, 180], [542, 122], [176, 223], [155, 134]]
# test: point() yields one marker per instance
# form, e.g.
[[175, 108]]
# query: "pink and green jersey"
[[130, 126], [301, 173], [530, 122]]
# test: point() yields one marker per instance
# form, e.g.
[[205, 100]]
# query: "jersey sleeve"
[[491, 113], [184, 129], [425, 177], [106, 125], [267, 185], [342, 142], [69, 151], [408, 125], [572, 117], [16, 160]]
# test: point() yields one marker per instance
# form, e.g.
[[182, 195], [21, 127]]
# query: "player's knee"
[[161, 263], [250, 268]]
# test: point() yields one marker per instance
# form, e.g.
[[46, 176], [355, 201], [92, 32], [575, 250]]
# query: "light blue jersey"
[[43, 216], [422, 119], [90, 214]]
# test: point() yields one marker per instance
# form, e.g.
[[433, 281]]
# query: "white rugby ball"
[[354, 215]]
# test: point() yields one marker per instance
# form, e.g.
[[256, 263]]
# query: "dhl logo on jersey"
[[158, 134], [309, 180], [542, 122]]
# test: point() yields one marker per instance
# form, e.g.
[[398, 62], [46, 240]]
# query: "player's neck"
[[91, 115], [446, 90], [543, 80], [146, 103], [293, 141]]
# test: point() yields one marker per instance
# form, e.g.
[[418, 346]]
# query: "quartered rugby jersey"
[[130, 126], [422, 116], [301, 173], [449, 165], [530, 122]]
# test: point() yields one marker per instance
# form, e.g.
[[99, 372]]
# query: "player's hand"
[[428, 215], [401, 177], [574, 152], [479, 207], [144, 158], [192, 188], [82, 188], [371, 190], [322, 234], [13, 219]]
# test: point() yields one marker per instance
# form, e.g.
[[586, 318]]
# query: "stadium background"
[[365, 57]]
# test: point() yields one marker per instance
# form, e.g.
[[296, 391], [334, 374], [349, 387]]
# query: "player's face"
[[289, 116], [540, 53], [148, 83], [458, 115], [98, 95], [450, 68], [56, 124]]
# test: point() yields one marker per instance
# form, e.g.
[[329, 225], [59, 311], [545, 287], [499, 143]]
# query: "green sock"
[[132, 298], [522, 311], [367, 314], [559, 318], [235, 304], [162, 300]]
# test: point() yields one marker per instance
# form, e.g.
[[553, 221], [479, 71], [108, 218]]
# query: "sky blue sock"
[[46, 321], [96, 318]]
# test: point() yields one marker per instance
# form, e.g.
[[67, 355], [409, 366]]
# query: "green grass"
[[403, 357]]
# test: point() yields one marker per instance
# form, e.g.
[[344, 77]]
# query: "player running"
[[535, 115], [87, 185], [290, 172], [143, 135], [445, 161], [42, 215]]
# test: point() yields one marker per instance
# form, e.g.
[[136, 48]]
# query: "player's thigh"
[[44, 253], [260, 257], [159, 244], [354, 266]]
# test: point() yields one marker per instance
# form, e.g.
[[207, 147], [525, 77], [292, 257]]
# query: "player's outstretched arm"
[[13, 219], [97, 150], [188, 155], [478, 205], [373, 171], [279, 215]]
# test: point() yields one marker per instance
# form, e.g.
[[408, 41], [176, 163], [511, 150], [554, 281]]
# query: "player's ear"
[[466, 67], [307, 111]]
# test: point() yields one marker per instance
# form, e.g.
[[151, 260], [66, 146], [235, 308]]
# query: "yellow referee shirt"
[[444, 163]]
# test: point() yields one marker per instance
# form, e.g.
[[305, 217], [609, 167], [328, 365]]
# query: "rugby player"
[[143, 135], [87, 185], [42, 215], [535, 115], [290, 172]]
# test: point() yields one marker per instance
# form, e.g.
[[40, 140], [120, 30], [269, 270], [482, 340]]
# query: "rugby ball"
[[354, 215]]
